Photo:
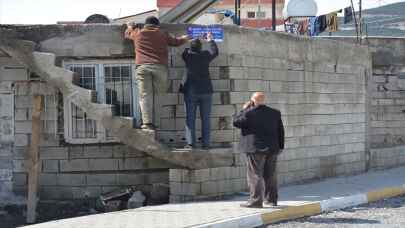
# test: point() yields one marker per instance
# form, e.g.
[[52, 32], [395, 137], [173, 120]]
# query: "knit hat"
[[151, 20], [195, 45]]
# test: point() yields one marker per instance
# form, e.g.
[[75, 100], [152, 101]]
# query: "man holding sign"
[[198, 88], [151, 60]]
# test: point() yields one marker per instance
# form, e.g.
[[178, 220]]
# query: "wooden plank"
[[33, 174]]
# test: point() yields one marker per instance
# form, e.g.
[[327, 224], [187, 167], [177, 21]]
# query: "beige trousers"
[[152, 83]]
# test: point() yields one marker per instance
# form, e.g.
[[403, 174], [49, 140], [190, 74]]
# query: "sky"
[[51, 11]]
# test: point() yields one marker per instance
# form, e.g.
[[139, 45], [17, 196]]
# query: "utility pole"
[[236, 19], [360, 21], [273, 15], [355, 21]]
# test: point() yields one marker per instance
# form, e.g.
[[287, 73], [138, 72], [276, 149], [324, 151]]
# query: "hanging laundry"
[[332, 22], [348, 15], [303, 27], [317, 25]]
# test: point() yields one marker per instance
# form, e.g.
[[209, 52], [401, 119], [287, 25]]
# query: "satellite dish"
[[97, 19]]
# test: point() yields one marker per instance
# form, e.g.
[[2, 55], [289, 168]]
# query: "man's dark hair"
[[151, 20], [195, 45]]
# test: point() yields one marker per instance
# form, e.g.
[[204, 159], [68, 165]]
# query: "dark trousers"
[[262, 177], [204, 102]]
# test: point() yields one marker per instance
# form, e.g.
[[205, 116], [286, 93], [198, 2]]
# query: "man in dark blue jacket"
[[262, 140], [198, 89]]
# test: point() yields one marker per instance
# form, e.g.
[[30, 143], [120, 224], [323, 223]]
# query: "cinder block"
[[191, 189], [222, 136], [55, 193], [209, 188], [86, 192], [175, 175], [71, 179], [47, 179], [97, 151], [50, 166], [21, 114], [239, 97], [23, 127], [169, 99], [237, 72], [103, 164], [101, 179], [235, 60], [74, 165], [133, 163], [201, 175], [21, 140], [23, 101], [49, 153], [157, 177], [131, 179], [20, 166], [20, 178], [221, 85]]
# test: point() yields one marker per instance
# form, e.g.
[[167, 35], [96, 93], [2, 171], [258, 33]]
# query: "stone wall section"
[[318, 85]]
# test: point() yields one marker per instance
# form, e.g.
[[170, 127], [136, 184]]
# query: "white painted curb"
[[293, 212]]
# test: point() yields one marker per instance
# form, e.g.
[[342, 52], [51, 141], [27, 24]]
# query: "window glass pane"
[[251, 14], [87, 75], [118, 89], [82, 126]]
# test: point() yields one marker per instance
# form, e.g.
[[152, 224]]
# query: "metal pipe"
[[273, 15], [239, 3]]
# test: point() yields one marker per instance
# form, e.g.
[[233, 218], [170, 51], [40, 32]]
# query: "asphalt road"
[[385, 213]]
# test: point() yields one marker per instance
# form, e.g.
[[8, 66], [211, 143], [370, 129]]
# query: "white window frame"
[[101, 134]]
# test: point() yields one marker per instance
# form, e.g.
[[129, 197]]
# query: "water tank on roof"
[[300, 8]]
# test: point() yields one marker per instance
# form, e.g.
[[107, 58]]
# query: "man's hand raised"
[[185, 37]]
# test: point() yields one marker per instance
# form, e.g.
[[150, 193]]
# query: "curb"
[[294, 212]]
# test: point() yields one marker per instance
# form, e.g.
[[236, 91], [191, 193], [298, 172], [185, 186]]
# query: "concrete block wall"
[[389, 157], [318, 85], [10, 72], [387, 93], [81, 171], [67, 171], [319, 89], [387, 103]]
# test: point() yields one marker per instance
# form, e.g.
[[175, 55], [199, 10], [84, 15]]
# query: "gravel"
[[385, 213]]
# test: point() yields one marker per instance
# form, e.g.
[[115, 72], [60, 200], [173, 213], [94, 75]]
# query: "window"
[[114, 84], [261, 14], [251, 14]]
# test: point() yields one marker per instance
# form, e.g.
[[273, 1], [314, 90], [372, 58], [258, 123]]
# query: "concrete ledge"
[[310, 209]]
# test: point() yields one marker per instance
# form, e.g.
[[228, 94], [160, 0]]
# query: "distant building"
[[254, 13]]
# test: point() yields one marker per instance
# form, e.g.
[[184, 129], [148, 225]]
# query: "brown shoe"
[[251, 205]]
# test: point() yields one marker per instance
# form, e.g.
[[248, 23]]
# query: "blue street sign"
[[201, 32]]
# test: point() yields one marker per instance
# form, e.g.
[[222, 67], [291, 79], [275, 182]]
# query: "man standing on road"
[[262, 140], [151, 58]]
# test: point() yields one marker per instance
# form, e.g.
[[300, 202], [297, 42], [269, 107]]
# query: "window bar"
[[132, 92], [122, 92], [44, 113]]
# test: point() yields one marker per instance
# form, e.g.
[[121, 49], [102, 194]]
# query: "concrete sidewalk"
[[295, 201]]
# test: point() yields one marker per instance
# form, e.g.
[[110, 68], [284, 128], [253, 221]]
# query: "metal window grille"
[[114, 85]]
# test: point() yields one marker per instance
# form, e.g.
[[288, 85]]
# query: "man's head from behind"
[[151, 20], [196, 45], [259, 98]]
